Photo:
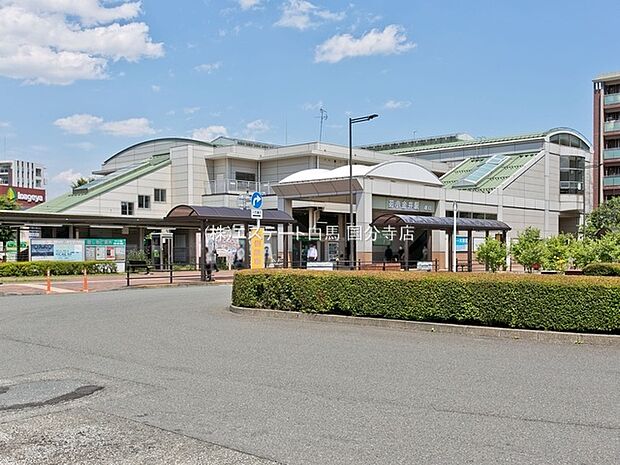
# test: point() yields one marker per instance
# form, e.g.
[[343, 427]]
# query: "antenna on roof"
[[322, 117]]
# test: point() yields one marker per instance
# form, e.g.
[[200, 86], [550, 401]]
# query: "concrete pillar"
[[363, 211], [285, 241]]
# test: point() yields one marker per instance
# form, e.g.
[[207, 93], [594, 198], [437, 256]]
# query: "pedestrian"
[[209, 264], [424, 253], [239, 257], [313, 253], [401, 255], [266, 257], [389, 254]]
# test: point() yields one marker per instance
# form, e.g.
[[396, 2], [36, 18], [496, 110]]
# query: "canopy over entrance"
[[445, 224], [224, 215], [200, 216], [440, 223]]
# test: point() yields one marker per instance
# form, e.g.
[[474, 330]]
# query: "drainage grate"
[[40, 393]]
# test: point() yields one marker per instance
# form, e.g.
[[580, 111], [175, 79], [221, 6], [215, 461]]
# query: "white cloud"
[[392, 40], [209, 133], [79, 123], [86, 146], [155, 88], [208, 68], [67, 176], [301, 14], [256, 127], [61, 41], [308, 106], [191, 110], [397, 104], [129, 127], [85, 124], [249, 4]]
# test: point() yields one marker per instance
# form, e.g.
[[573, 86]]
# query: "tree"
[[604, 219], [6, 203], [557, 252], [80, 182], [492, 253], [528, 249]]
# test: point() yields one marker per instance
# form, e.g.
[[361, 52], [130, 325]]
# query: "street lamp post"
[[353, 121]]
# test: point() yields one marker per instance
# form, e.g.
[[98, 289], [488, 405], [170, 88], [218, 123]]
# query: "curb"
[[444, 328]]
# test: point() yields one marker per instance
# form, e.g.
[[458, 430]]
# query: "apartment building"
[[606, 161]]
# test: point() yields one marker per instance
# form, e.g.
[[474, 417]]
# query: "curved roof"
[[195, 213], [416, 145], [405, 170], [438, 222], [172, 140], [574, 132]]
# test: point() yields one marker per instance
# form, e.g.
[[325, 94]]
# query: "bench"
[[133, 265]]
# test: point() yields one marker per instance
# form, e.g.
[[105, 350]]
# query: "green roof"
[[456, 178], [102, 185], [404, 148]]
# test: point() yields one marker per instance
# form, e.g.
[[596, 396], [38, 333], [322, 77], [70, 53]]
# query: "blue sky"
[[82, 79]]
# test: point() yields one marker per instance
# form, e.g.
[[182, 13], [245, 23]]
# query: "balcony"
[[611, 154], [612, 126], [234, 186], [611, 181], [612, 99]]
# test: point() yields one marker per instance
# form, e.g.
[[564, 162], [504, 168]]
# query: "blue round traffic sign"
[[256, 200]]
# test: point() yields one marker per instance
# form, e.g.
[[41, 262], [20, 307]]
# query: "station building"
[[497, 185]]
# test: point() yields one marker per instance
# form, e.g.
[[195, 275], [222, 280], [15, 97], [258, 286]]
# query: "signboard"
[[25, 197], [257, 248], [11, 250], [425, 266], [320, 266], [403, 204], [67, 250], [257, 214], [461, 243], [256, 200], [105, 249]]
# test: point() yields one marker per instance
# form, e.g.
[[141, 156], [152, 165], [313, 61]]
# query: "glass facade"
[[572, 177]]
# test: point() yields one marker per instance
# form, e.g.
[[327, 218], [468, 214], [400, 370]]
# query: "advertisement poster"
[[461, 243], [11, 250], [67, 250], [113, 250]]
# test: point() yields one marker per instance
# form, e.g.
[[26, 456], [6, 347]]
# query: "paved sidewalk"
[[97, 283]]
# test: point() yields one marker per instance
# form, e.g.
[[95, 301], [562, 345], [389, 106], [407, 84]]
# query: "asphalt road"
[[175, 362]]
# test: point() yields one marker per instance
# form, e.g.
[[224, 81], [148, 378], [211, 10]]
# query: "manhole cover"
[[39, 393]]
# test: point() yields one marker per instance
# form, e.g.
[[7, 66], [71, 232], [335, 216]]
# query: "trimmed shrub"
[[56, 268], [556, 303], [602, 269]]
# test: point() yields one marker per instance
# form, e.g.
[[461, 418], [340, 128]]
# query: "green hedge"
[[558, 303], [602, 269], [56, 268]]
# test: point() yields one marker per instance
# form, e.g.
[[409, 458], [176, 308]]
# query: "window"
[[126, 208], [160, 195], [612, 89], [571, 175], [240, 176], [144, 201]]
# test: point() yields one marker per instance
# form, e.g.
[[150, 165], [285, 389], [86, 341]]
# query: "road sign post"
[[257, 242]]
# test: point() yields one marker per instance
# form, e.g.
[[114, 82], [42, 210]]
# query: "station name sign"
[[403, 204]]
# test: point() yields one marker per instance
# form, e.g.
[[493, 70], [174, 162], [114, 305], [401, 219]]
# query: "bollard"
[[48, 283], [85, 281]]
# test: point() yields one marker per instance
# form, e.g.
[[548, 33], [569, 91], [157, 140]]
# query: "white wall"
[[109, 203]]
